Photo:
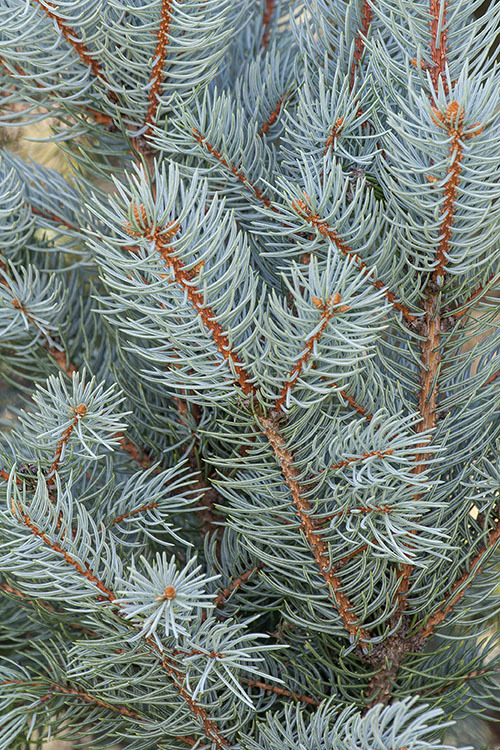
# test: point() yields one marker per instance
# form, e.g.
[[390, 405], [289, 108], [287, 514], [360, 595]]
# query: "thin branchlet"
[[303, 209], [160, 56]]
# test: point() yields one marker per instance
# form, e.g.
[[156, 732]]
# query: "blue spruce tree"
[[252, 499]]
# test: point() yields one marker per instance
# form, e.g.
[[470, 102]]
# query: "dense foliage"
[[252, 500]]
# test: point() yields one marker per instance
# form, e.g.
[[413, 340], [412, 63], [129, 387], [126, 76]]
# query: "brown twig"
[[273, 116], [328, 310], [80, 412], [55, 218], [161, 237], [86, 572], [137, 511], [492, 378], [71, 37], [472, 298], [280, 691], [160, 55], [359, 43], [461, 679], [453, 122], [356, 459], [356, 406], [438, 43], [461, 585], [304, 210], [334, 134], [83, 52], [87, 698], [266, 21], [310, 529], [221, 597], [237, 172]]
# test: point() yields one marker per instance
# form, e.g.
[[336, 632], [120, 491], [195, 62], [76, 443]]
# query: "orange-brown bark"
[[325, 230], [310, 529], [183, 277], [237, 172], [160, 55], [328, 310], [359, 43]]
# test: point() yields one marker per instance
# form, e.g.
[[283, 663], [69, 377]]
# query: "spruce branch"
[[452, 121], [161, 238], [295, 265], [336, 131], [328, 309], [83, 52], [83, 570], [99, 117], [460, 586], [80, 411], [473, 299], [234, 169], [158, 73], [359, 408], [82, 695], [364, 457], [223, 595], [143, 509], [273, 115], [303, 209], [438, 43], [359, 42], [309, 527], [266, 21], [281, 691], [86, 572]]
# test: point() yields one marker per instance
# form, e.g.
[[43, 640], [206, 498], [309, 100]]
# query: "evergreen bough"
[[253, 500]]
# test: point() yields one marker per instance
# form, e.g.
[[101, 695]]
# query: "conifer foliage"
[[252, 499]]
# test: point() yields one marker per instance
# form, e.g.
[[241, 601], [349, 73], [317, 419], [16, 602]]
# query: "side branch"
[[95, 701], [461, 584], [71, 37], [80, 412], [492, 378], [356, 406], [453, 122], [157, 74], [359, 43], [311, 531], [87, 698], [235, 584], [358, 459], [329, 309], [438, 42], [86, 571], [280, 691], [473, 298], [183, 277], [233, 169], [334, 134], [136, 512], [176, 675], [325, 230], [273, 115], [266, 21]]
